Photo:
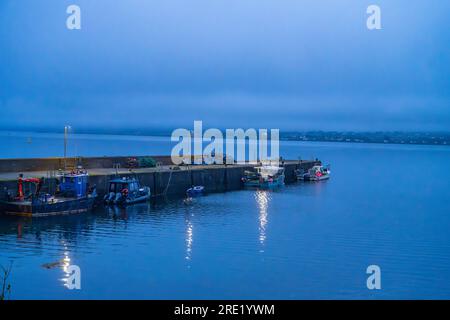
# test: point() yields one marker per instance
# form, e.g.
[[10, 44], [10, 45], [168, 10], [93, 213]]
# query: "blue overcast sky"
[[289, 64]]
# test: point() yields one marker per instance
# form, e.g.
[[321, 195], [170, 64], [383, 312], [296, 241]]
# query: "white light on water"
[[262, 199], [189, 238], [65, 263]]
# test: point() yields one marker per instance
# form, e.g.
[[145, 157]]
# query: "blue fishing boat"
[[195, 191], [264, 177], [126, 191], [73, 195]]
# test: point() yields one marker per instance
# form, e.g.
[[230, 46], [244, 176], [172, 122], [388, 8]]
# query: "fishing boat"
[[316, 173], [73, 195], [126, 191], [264, 177], [195, 191]]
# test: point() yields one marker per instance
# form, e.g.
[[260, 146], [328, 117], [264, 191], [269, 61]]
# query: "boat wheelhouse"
[[264, 177], [126, 191]]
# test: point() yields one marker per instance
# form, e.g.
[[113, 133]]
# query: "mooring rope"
[[168, 182], [164, 193]]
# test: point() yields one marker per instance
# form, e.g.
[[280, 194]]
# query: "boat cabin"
[[74, 184], [318, 170], [118, 185], [269, 171]]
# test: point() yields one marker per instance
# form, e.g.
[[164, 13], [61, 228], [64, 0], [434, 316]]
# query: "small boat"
[[73, 195], [126, 191], [316, 173], [195, 191], [264, 177]]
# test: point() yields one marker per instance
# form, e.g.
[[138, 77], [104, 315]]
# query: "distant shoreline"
[[400, 138], [376, 137]]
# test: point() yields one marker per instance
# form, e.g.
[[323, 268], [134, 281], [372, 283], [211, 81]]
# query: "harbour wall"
[[48, 164], [214, 178], [163, 181]]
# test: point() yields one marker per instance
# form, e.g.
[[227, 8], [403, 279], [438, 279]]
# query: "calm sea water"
[[385, 205]]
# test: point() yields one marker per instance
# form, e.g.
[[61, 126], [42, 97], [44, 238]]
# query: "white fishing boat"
[[316, 173]]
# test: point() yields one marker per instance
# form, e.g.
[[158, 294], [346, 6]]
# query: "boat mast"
[[66, 133]]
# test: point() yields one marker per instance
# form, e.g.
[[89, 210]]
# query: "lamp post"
[[66, 133]]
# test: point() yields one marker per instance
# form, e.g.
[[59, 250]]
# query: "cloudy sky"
[[289, 64]]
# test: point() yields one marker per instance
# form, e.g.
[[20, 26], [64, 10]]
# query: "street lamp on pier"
[[66, 134]]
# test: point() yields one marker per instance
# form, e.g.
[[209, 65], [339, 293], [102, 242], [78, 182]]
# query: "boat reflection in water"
[[127, 212], [262, 199]]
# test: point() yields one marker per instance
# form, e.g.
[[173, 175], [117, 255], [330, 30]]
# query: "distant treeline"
[[428, 138], [394, 137]]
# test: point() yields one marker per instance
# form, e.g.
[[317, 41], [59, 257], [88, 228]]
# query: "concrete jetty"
[[164, 180]]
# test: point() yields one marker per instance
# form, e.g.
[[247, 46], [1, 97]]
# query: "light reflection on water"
[[262, 198], [189, 237], [65, 263]]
